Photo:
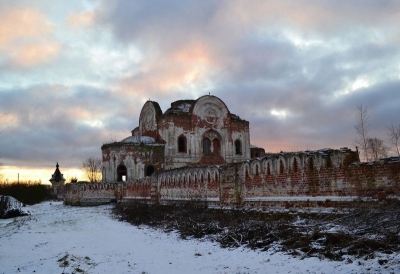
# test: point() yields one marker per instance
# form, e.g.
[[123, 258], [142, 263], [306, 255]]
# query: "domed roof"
[[139, 139], [57, 176]]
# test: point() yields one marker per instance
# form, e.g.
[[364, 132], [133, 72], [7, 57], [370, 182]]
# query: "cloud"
[[302, 58], [70, 124], [180, 71], [18, 24], [72, 78], [82, 19], [25, 37], [31, 55]]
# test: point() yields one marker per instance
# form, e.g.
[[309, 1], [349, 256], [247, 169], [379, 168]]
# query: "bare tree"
[[362, 128], [376, 148], [92, 168], [394, 136]]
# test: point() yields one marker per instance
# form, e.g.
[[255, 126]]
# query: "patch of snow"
[[56, 238], [303, 199], [185, 107], [8, 204], [139, 139], [208, 199]]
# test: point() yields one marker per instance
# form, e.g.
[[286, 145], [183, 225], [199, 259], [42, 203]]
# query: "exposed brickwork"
[[155, 142], [317, 178], [134, 157]]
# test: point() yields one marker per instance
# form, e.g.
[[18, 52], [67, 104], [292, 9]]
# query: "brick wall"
[[317, 178]]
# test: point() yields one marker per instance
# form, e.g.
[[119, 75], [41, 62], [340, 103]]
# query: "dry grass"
[[360, 233]]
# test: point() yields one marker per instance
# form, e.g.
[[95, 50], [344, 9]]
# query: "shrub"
[[26, 192]]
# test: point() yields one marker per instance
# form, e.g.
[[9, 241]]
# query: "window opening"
[[206, 146], [238, 147], [149, 171], [216, 147], [181, 144]]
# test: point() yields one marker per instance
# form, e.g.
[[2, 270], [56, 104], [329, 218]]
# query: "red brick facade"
[[318, 178]]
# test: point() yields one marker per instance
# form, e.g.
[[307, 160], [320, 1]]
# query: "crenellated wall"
[[91, 194], [309, 178], [189, 184]]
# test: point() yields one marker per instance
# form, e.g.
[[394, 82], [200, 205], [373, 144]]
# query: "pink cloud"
[[29, 55], [25, 37], [172, 71], [18, 24]]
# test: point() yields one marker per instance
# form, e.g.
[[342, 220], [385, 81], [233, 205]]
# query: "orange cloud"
[[8, 120], [22, 23], [34, 54], [174, 71], [25, 36], [81, 19]]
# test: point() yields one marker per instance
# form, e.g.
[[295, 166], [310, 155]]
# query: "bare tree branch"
[[376, 148], [362, 128], [92, 168], [394, 136]]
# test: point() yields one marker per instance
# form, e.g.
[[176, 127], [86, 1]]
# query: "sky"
[[75, 74]]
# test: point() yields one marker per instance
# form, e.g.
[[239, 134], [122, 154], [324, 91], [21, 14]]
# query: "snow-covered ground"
[[61, 239]]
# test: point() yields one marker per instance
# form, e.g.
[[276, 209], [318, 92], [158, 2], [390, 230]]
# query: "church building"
[[189, 133]]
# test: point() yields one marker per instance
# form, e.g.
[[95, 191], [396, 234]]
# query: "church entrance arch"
[[121, 173]]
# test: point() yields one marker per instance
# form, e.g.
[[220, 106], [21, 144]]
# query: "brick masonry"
[[303, 179]]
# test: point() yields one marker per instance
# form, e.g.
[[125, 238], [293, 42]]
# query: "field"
[[56, 238]]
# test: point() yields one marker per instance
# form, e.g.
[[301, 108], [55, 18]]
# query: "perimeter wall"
[[304, 179]]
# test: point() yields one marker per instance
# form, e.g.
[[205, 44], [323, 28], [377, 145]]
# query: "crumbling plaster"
[[194, 120]]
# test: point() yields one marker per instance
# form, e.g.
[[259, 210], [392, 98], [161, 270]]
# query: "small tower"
[[57, 181]]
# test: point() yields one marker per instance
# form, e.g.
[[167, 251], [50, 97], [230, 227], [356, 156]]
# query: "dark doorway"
[[149, 171], [121, 173]]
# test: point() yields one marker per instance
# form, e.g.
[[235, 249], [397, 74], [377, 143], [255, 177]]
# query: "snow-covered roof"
[[252, 146], [139, 139], [184, 106]]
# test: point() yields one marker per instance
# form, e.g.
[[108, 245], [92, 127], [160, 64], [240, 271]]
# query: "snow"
[[185, 107], [57, 238], [303, 199], [9, 204], [139, 139]]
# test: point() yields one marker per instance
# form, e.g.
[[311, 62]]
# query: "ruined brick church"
[[201, 152], [189, 133]]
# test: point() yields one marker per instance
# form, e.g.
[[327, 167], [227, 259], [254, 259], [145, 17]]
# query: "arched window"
[[121, 173], [295, 165], [182, 143], [238, 147], [206, 146], [149, 171], [216, 147], [281, 167]]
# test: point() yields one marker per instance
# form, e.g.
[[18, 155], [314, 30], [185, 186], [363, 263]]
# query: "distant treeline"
[[26, 192]]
